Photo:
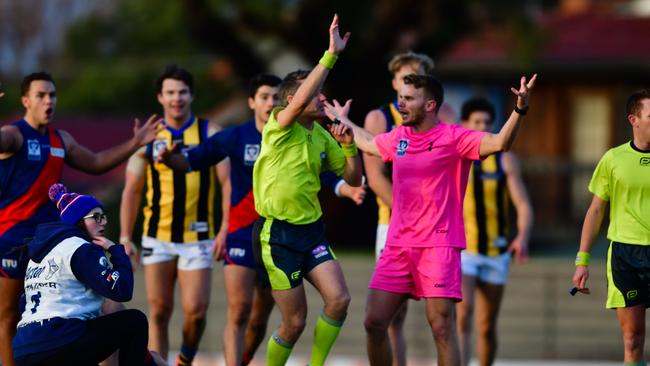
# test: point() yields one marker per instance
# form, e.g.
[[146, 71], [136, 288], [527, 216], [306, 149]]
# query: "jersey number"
[[36, 300]]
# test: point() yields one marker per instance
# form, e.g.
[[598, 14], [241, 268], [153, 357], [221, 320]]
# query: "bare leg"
[[256, 330], [328, 278], [488, 303], [396, 336], [465, 310], [632, 323], [159, 279], [195, 297], [381, 308], [239, 282], [293, 308], [441, 314], [10, 291]]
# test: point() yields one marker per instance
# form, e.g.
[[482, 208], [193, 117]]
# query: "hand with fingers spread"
[[335, 110], [145, 133], [342, 133], [337, 43], [524, 91], [580, 279], [356, 194]]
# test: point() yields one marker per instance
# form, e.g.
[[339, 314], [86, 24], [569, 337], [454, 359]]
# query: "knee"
[[338, 306], [239, 314], [442, 326], [487, 330], [375, 325], [295, 325], [160, 312]]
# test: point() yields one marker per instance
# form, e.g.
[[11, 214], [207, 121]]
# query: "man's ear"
[[632, 119], [430, 105]]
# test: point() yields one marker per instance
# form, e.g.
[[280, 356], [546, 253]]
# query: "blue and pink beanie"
[[72, 206]]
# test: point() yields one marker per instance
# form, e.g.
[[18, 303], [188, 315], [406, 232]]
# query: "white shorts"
[[380, 242], [191, 256], [487, 269]]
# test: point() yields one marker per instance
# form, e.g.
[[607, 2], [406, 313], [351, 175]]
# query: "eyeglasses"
[[99, 218]]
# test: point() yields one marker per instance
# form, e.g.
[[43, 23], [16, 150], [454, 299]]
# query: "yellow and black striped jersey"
[[485, 208], [179, 205]]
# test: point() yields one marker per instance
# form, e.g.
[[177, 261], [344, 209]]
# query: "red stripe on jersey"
[[26, 205], [243, 214]]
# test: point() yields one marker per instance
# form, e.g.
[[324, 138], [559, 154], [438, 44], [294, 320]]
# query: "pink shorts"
[[420, 272]]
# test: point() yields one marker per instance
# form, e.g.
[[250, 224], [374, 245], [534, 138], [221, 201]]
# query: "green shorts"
[[628, 275], [285, 253]]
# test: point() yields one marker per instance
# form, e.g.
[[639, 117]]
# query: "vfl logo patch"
[[251, 153], [322, 155], [103, 261], [632, 294], [57, 152], [644, 161], [319, 251], [402, 145], [199, 226], [157, 147], [33, 150]]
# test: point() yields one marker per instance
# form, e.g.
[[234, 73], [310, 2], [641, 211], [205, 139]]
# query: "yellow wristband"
[[582, 259], [328, 60], [349, 150]]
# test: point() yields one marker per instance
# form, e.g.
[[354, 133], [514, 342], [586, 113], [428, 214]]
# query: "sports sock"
[[325, 334], [185, 356], [635, 363], [246, 359], [277, 351]]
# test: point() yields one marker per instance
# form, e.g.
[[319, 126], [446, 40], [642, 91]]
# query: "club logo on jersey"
[[113, 277], [199, 226], [52, 268], [644, 161], [33, 150], [157, 147], [103, 261], [34, 272], [319, 251], [402, 145], [251, 153], [322, 155], [57, 152], [236, 252]]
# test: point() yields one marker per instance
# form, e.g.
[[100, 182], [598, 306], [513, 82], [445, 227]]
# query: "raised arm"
[[519, 196], [311, 86], [375, 168], [502, 141], [82, 158], [590, 228]]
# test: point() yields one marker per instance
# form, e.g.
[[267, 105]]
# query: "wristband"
[[582, 259], [125, 240], [349, 150], [328, 60], [521, 111]]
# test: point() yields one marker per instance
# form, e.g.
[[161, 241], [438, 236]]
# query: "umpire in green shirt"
[[622, 179], [290, 236]]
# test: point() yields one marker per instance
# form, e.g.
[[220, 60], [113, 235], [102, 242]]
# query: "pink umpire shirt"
[[430, 172]]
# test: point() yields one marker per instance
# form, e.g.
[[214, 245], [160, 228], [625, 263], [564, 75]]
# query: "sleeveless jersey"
[[25, 179], [179, 205], [393, 119], [53, 291], [486, 207]]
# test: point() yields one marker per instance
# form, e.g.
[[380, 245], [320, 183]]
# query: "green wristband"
[[349, 150], [328, 60], [582, 259]]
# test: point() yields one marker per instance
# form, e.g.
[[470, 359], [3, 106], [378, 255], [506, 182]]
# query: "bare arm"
[[590, 228], [364, 139], [519, 196], [311, 86], [503, 140], [352, 171], [11, 140], [223, 174], [82, 158], [375, 168], [130, 203]]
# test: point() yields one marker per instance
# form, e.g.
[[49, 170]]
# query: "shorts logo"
[[402, 145], [644, 161], [319, 251], [158, 146], [147, 251], [52, 268], [632, 294], [251, 153], [9, 263], [439, 285], [236, 252], [199, 226], [33, 150], [57, 152], [295, 275]]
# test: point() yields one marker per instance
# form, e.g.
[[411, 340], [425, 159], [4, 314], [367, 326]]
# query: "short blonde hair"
[[410, 58]]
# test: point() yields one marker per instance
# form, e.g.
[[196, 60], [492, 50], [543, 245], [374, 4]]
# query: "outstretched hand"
[[335, 110], [524, 90], [145, 133], [337, 44], [342, 133]]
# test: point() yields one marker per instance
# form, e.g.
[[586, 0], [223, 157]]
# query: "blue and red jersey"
[[25, 179]]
